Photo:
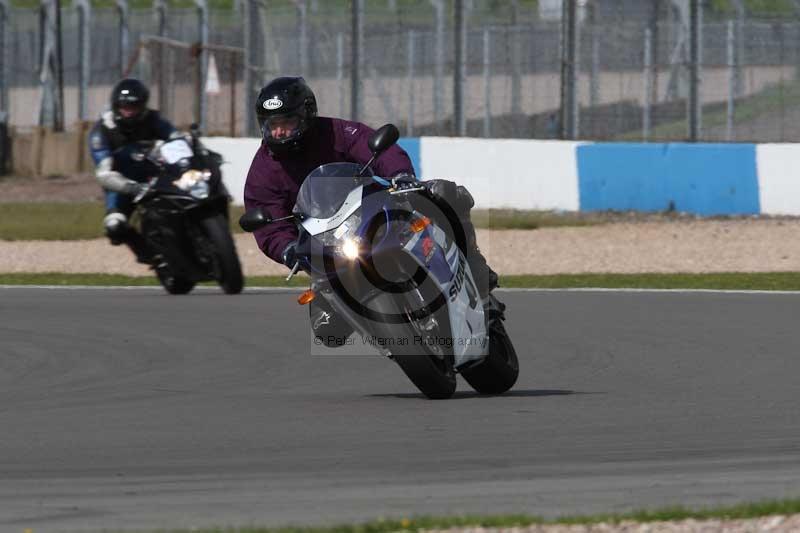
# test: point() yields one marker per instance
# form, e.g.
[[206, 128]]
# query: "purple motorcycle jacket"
[[274, 180]]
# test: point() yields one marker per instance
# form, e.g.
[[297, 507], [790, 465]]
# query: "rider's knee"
[[116, 227], [455, 196]]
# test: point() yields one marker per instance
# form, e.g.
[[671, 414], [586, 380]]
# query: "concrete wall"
[[704, 179]]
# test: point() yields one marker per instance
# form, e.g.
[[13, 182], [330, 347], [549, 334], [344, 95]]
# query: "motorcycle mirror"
[[253, 219], [383, 138]]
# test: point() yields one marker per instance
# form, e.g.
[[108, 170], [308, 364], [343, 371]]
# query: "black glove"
[[136, 189], [404, 180], [289, 255]]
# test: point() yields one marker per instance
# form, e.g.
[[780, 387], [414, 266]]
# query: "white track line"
[[299, 289], [144, 288]]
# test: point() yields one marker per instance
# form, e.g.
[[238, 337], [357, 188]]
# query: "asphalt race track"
[[135, 409]]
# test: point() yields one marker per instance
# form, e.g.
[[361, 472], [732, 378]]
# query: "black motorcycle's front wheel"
[[172, 283], [227, 269], [418, 344]]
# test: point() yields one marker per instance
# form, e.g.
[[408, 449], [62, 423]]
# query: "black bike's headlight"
[[194, 182]]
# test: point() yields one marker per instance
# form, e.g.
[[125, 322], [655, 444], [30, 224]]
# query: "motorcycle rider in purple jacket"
[[295, 142]]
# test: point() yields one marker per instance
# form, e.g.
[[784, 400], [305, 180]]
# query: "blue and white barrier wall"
[[705, 179]]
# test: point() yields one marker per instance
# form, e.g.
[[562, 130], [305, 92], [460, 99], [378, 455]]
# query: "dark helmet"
[[288, 101], [129, 103]]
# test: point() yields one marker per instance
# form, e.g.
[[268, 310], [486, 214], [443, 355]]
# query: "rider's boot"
[[486, 279], [119, 232]]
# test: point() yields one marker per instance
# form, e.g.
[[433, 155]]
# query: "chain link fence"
[[587, 69]]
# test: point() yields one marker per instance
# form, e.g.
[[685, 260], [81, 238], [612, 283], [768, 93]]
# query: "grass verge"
[[735, 512], [34, 221], [766, 281]]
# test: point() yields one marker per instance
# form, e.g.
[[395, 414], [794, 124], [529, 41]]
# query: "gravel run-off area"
[[625, 245], [741, 245], [771, 524]]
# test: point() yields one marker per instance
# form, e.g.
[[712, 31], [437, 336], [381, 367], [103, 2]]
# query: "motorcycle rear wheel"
[[499, 371]]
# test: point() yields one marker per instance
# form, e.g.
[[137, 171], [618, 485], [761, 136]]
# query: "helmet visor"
[[129, 110], [281, 127]]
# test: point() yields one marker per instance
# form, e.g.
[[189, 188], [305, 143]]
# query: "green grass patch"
[[524, 219], [25, 221], [735, 512], [767, 281], [69, 221], [117, 280]]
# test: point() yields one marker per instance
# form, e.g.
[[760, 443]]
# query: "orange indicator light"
[[420, 224], [306, 297]]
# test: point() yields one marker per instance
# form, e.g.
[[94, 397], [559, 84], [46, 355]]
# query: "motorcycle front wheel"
[[173, 284], [425, 358], [227, 269]]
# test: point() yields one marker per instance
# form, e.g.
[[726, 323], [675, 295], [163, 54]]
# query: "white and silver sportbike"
[[391, 262]]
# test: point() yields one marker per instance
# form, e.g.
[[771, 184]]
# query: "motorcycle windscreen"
[[325, 189]]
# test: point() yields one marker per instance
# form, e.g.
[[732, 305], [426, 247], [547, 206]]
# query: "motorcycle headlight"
[[344, 239], [199, 190], [350, 248], [194, 182]]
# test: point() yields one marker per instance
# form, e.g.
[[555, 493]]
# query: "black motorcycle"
[[184, 217]]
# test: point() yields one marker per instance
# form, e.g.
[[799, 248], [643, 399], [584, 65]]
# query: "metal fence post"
[[47, 108], [355, 67], [731, 46], [487, 83], [124, 44], [160, 19], [302, 31], [4, 25], [694, 70], [252, 59], [648, 83], [459, 60], [84, 8], [594, 68], [438, 72], [202, 30], [516, 74], [410, 83], [739, 46], [340, 71], [569, 22]]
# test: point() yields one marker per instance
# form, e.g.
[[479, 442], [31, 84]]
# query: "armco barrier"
[[705, 179]]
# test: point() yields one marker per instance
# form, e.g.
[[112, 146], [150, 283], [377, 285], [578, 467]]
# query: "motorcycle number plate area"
[[174, 151]]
